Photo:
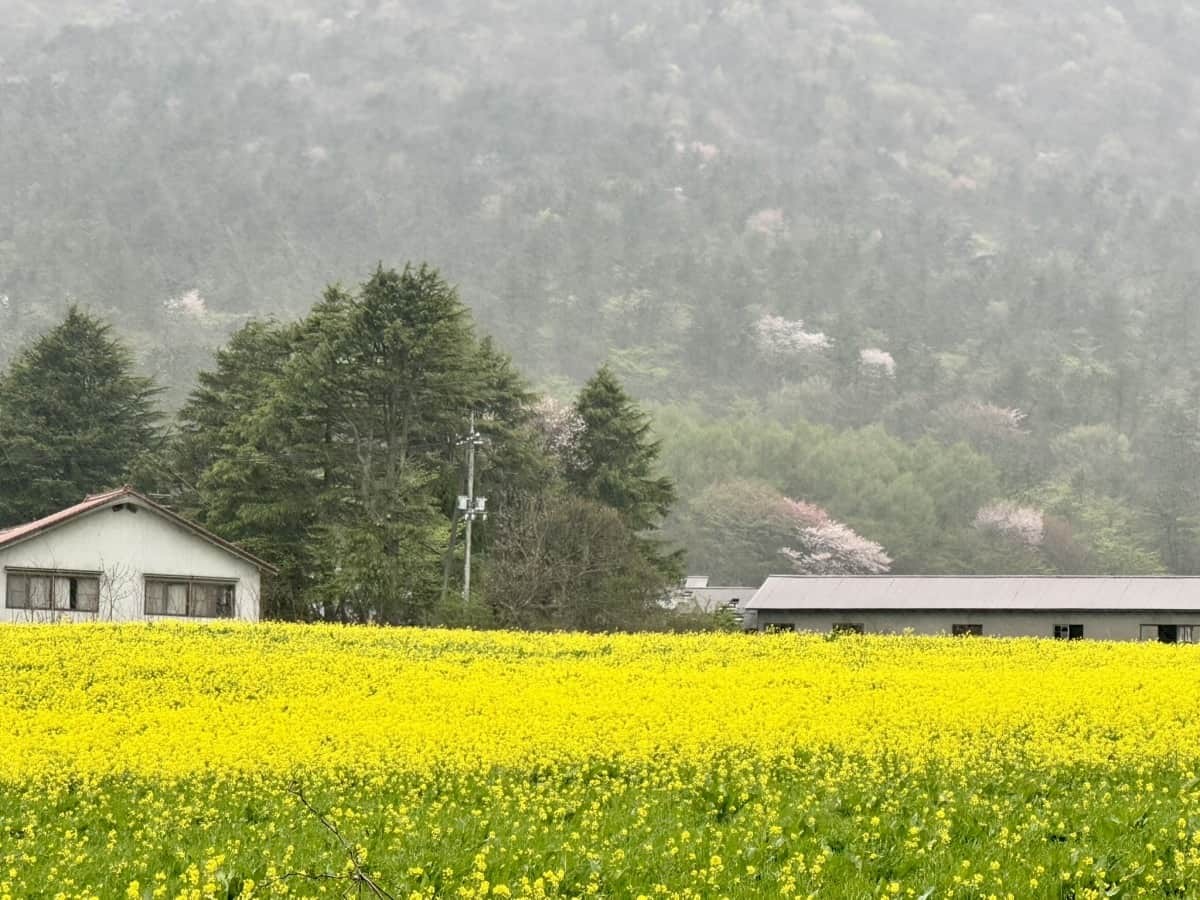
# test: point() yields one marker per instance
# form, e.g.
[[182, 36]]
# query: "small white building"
[[1150, 608], [121, 557], [697, 596]]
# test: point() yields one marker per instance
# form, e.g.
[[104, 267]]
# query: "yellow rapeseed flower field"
[[281, 760]]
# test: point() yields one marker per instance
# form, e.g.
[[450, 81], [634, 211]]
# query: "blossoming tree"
[[740, 531]]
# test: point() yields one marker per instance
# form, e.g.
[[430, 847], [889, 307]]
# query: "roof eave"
[[974, 609], [108, 500]]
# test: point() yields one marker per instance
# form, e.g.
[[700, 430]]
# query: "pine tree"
[[615, 457], [410, 375], [231, 469], [329, 446], [76, 418], [237, 387]]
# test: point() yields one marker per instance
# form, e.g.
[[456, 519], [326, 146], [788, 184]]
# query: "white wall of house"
[[1112, 626], [124, 546]]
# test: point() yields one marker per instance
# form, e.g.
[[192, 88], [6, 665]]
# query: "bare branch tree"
[[358, 879]]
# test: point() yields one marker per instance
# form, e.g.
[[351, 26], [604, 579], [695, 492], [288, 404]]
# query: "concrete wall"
[[124, 546], [1116, 626]]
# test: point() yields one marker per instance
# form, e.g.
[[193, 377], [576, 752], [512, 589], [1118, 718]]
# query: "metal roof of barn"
[[979, 593]]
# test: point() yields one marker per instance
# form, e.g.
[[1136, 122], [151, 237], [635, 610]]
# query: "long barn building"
[[1160, 608]]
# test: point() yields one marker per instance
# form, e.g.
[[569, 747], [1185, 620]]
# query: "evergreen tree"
[[232, 470], [616, 457], [410, 375], [237, 387], [391, 380], [514, 460], [329, 446], [76, 418]]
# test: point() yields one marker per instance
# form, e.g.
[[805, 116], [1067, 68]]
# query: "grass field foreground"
[[277, 760]]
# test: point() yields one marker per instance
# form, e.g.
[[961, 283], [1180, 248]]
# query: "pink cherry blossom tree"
[[878, 361], [824, 546], [739, 530], [1020, 524], [782, 338]]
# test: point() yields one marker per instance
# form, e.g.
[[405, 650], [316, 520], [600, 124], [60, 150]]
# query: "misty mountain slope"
[[999, 198]]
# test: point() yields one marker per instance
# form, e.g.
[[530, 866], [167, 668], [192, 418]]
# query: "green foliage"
[[615, 458], [646, 185], [811, 800], [1109, 536], [684, 622], [918, 500], [380, 572], [1170, 481], [230, 473], [564, 562], [513, 462], [735, 530], [1095, 458], [329, 446], [76, 419], [623, 184]]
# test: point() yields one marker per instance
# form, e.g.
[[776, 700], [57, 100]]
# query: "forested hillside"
[[963, 221]]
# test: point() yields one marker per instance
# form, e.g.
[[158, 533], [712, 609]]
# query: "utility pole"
[[472, 507]]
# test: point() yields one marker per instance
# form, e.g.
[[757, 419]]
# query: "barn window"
[[966, 630], [848, 628], [1170, 634], [197, 597], [1068, 632], [47, 589]]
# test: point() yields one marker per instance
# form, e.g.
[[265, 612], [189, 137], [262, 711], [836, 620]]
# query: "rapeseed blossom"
[[283, 760]]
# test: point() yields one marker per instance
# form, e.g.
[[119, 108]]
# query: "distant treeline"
[[961, 222], [333, 447], [868, 212]]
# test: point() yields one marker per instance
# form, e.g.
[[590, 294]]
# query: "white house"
[[1152, 608], [121, 557]]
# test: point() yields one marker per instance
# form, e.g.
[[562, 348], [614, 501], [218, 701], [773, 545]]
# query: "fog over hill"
[[908, 212]]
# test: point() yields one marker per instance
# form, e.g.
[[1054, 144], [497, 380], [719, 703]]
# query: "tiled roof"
[[92, 501], [125, 494]]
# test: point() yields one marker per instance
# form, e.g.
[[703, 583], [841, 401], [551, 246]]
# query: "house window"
[[1068, 632], [965, 630], [780, 627], [1171, 634], [848, 628], [195, 597], [53, 590]]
